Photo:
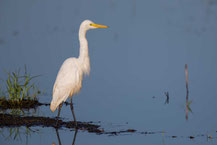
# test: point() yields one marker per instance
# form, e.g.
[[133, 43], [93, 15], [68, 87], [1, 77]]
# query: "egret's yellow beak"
[[98, 26]]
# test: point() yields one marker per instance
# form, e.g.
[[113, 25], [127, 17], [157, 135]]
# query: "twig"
[[187, 91]]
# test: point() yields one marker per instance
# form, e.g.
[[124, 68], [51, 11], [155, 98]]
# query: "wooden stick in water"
[[187, 90], [186, 80]]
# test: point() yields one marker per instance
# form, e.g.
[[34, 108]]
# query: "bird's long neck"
[[84, 56]]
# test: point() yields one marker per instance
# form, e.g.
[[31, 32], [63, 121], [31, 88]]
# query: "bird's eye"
[[91, 24]]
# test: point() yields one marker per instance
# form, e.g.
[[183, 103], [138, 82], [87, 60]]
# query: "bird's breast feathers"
[[69, 78]]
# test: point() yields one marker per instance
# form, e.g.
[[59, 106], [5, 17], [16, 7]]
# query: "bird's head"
[[91, 25]]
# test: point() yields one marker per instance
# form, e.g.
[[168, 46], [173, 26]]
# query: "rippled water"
[[133, 63]]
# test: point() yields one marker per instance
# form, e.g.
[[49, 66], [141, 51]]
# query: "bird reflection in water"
[[58, 137]]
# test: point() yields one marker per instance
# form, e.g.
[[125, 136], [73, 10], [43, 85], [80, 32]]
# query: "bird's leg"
[[58, 115], [71, 105], [60, 106]]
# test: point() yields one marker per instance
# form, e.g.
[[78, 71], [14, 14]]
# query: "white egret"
[[69, 78]]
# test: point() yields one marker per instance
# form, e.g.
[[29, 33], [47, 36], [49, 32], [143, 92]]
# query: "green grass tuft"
[[20, 87]]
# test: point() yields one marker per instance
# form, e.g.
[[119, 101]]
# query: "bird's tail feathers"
[[53, 106], [56, 102]]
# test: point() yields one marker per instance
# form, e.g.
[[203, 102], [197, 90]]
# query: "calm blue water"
[[141, 55]]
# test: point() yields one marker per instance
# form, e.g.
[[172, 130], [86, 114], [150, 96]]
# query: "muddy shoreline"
[[22, 104], [12, 121], [7, 120]]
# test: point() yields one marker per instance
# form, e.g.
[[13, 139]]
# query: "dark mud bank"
[[7, 120], [20, 104]]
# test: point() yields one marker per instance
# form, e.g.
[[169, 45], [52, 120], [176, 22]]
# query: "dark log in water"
[[7, 120]]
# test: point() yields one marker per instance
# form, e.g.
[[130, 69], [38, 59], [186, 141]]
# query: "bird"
[[69, 78]]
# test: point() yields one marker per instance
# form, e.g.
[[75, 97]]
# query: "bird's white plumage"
[[70, 75], [68, 82]]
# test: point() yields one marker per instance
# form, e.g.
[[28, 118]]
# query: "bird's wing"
[[68, 81]]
